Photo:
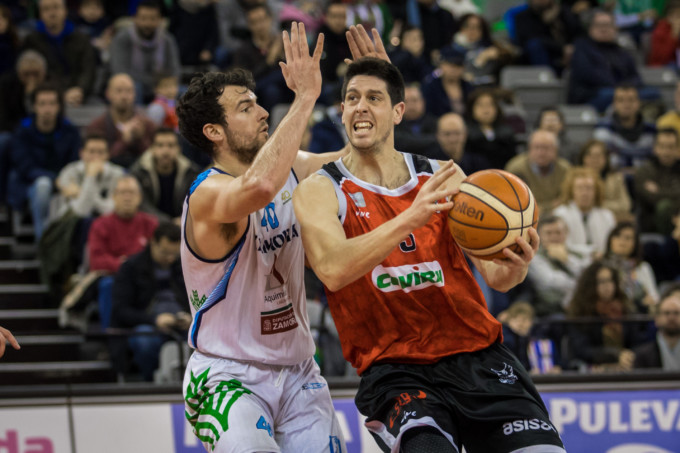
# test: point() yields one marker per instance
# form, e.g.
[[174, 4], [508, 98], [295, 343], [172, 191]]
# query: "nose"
[[264, 114]]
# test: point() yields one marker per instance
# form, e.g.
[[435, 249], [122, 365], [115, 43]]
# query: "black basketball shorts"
[[484, 401]]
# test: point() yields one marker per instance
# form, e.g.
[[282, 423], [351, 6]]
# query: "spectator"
[[85, 192], [128, 131], [606, 344], [193, 23], [165, 176], [666, 38], [587, 221], [124, 232], [417, 128], [335, 47], [41, 146], [438, 25], [410, 57], [371, 14], [451, 138], [663, 352], [555, 268], [16, 88], [261, 55], [162, 109], [149, 295], [86, 185], [445, 90], [546, 31], [9, 40], [595, 154], [628, 137], [93, 22], [551, 119], [483, 57], [517, 321], [635, 18], [71, 59], [231, 19], [488, 134], [657, 184], [145, 49], [615, 65], [672, 117], [638, 280], [541, 168], [328, 133]]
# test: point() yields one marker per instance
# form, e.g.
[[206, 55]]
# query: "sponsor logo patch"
[[534, 424], [408, 278], [506, 375], [276, 321]]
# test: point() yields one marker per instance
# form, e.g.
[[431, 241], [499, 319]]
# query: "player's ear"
[[398, 112], [213, 132]]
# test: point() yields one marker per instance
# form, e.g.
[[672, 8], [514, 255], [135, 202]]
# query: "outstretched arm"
[[337, 260], [7, 337]]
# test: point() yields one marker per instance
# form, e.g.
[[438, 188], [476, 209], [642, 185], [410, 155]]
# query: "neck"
[[165, 169], [229, 163], [45, 126], [120, 116], [671, 340], [385, 167], [55, 29], [628, 121]]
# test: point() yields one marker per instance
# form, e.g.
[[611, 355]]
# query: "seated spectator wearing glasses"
[[664, 351], [599, 64]]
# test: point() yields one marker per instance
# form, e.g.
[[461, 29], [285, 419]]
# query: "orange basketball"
[[491, 210]]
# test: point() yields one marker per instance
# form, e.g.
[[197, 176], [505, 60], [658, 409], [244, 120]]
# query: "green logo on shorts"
[[207, 409], [195, 301]]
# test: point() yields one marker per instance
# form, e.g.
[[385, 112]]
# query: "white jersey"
[[250, 305]]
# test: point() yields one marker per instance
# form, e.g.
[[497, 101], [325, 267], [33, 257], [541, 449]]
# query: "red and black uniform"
[[419, 333]]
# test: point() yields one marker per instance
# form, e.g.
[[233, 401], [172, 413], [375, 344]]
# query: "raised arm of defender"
[[337, 260]]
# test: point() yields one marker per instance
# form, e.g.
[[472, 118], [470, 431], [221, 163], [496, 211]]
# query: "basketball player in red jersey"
[[411, 318]]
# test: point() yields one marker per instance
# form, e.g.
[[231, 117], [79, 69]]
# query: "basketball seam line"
[[519, 202]]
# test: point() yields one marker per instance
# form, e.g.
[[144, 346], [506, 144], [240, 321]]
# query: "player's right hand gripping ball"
[[491, 210]]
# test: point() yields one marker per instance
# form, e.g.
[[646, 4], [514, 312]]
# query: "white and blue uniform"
[[253, 347]]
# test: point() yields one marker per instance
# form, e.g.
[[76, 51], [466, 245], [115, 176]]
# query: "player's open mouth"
[[363, 126]]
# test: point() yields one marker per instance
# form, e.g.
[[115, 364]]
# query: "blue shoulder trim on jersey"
[[220, 291], [199, 179]]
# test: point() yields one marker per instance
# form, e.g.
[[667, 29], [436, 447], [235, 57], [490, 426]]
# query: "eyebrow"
[[369, 91], [244, 101]]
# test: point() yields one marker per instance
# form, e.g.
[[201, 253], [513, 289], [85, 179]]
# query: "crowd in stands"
[[105, 197]]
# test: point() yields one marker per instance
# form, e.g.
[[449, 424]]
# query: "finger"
[[365, 43], [318, 50], [287, 52], [379, 46], [534, 239], [8, 335], [302, 36], [442, 174], [351, 41], [294, 41], [284, 69], [527, 251]]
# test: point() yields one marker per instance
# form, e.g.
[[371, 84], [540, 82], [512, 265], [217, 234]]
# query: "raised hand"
[[7, 337], [361, 45], [301, 71]]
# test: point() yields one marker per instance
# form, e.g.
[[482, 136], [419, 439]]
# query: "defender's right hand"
[[301, 71]]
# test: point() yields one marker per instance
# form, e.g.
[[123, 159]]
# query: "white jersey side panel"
[[251, 304]]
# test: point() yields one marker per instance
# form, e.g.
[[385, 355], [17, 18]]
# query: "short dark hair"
[[636, 254], [164, 130], [48, 87], [169, 230], [585, 149], [199, 105], [627, 86], [93, 136], [549, 220], [546, 109], [381, 69], [667, 131], [150, 4]]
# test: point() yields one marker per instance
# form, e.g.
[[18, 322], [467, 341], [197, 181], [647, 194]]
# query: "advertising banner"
[[34, 430]]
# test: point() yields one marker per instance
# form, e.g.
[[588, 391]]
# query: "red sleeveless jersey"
[[422, 302]]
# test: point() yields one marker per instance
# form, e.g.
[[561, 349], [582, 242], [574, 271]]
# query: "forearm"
[[346, 260]]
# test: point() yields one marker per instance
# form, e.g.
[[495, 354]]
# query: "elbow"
[[333, 279], [261, 190]]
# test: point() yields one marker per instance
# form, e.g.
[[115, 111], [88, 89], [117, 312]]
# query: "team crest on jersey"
[[197, 302], [286, 196], [358, 199], [408, 278]]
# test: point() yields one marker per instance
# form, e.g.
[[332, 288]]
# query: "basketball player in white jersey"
[[252, 384]]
